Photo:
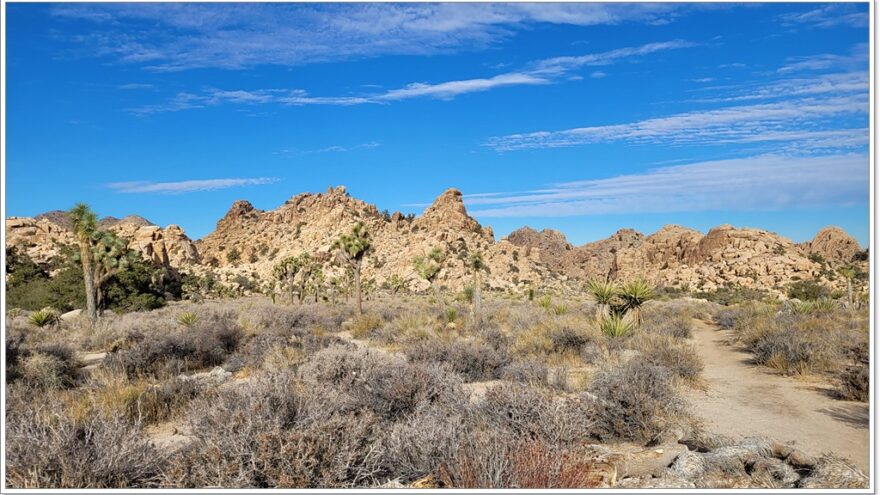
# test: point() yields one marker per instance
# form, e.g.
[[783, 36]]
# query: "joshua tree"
[[287, 270], [477, 265], [317, 282], [634, 294], [428, 267], [110, 255], [352, 249], [85, 224], [603, 293], [849, 273]]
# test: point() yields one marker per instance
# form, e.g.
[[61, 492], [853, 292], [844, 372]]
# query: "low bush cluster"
[[473, 360], [206, 344]]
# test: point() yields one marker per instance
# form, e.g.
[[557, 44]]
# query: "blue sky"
[[586, 118]]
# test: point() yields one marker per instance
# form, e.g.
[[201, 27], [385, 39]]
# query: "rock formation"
[[249, 242], [42, 238], [833, 244]]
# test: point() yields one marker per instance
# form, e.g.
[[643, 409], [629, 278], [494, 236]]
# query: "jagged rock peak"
[[240, 210], [450, 200]]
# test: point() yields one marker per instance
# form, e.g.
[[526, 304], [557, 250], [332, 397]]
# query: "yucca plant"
[[187, 318], [43, 317], [635, 294], [560, 309], [545, 302], [616, 326], [801, 307], [603, 292], [825, 305]]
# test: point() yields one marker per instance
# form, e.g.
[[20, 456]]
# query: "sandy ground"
[[744, 400]]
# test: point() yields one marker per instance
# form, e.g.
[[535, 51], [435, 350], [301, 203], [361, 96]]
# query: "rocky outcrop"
[[835, 245], [550, 245], [312, 222], [44, 237], [41, 239]]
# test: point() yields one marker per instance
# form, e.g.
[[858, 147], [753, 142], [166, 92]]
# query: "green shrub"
[[807, 290], [733, 294]]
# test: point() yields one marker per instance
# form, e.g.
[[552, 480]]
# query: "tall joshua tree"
[[428, 267], [110, 255], [352, 248], [85, 225], [477, 265]]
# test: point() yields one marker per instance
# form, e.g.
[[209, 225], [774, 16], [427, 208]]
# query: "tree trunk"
[[85, 251], [439, 297], [357, 289], [849, 297], [478, 298], [99, 300]]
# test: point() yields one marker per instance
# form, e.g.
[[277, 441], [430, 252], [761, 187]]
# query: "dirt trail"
[[744, 400]]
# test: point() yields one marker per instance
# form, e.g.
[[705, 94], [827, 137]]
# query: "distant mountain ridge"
[[249, 242]]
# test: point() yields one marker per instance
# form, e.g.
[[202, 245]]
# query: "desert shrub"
[[636, 402], [530, 371], [678, 324], [388, 386], [207, 344], [807, 290], [530, 413], [363, 325], [50, 366], [787, 350], [46, 449], [567, 339], [277, 432], [416, 446], [16, 350], [680, 358], [854, 383], [474, 361], [492, 459], [731, 295]]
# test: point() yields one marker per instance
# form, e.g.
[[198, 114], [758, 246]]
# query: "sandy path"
[[746, 400]]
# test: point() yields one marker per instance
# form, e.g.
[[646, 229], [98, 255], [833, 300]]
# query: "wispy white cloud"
[[172, 37], [843, 83], [548, 71], [764, 182], [734, 124], [857, 58], [332, 149], [562, 65], [829, 15], [186, 186], [450, 89], [130, 86]]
